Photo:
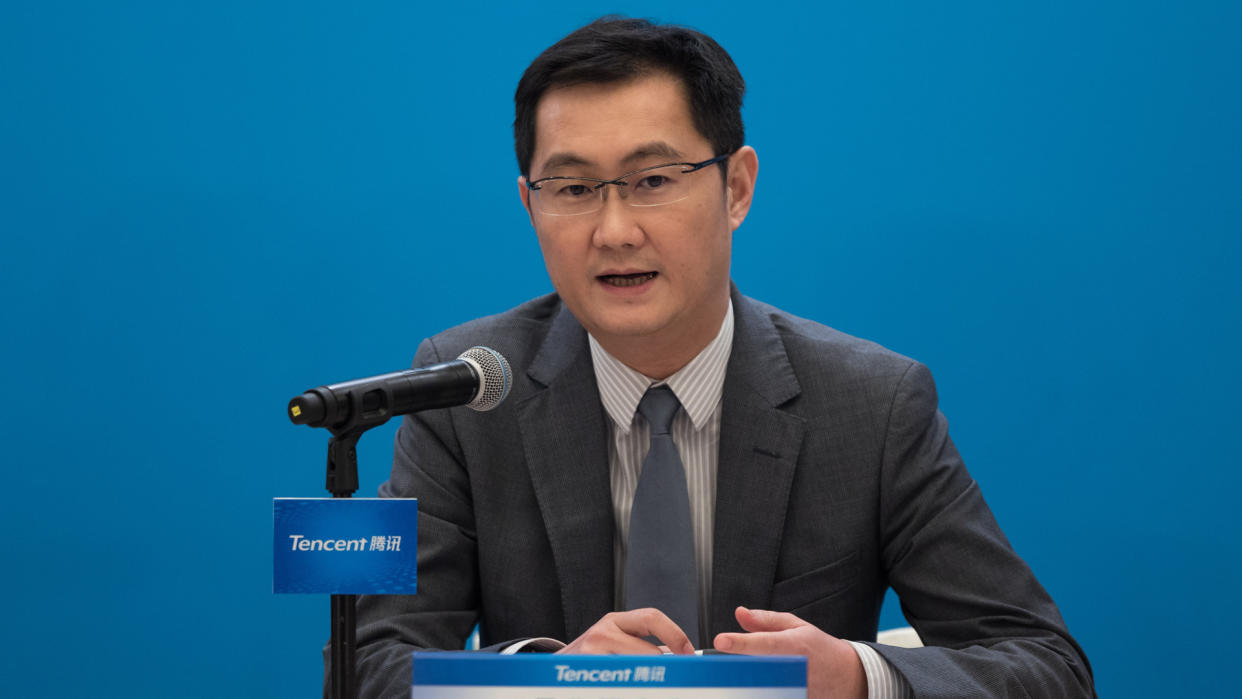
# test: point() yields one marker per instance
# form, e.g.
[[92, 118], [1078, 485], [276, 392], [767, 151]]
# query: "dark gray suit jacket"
[[836, 479]]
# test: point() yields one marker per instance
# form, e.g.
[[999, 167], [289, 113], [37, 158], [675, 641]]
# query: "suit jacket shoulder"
[[815, 350]]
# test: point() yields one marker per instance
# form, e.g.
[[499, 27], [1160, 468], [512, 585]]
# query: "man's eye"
[[574, 191], [654, 181]]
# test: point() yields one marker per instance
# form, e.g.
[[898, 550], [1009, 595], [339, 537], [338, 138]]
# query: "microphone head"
[[495, 378]]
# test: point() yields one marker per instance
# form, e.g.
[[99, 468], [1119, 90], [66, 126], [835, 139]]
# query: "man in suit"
[[818, 469]]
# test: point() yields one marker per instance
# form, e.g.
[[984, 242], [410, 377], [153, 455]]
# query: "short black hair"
[[615, 49]]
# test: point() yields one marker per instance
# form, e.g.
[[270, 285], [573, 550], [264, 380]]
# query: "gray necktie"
[[659, 563]]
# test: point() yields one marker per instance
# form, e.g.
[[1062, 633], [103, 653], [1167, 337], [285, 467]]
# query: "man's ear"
[[524, 195], [740, 185]]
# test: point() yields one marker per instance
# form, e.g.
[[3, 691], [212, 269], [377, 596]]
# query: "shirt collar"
[[698, 385]]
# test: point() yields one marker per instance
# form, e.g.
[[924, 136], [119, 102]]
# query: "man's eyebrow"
[[559, 160], [652, 150]]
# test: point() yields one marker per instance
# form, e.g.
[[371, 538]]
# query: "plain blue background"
[[206, 208]]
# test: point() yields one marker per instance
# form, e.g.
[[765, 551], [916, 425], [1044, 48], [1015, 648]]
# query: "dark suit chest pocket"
[[816, 585]]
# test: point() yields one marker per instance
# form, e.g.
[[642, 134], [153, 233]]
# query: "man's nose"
[[616, 226]]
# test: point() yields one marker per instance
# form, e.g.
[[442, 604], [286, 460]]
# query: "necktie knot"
[[658, 406]]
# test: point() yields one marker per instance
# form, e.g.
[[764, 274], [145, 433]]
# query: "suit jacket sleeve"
[[991, 628]]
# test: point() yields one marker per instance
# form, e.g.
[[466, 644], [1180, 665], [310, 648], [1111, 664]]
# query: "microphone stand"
[[368, 405], [342, 481]]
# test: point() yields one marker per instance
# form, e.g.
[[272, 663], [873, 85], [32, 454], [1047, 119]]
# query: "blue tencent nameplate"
[[345, 546], [462, 675]]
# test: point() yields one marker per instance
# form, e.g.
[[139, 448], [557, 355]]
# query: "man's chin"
[[622, 326], [627, 329]]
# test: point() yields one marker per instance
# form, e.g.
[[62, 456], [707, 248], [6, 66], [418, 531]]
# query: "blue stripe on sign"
[[459, 668]]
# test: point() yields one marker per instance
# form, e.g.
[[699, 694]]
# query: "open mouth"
[[627, 279]]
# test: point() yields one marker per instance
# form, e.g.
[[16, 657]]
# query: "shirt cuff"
[[883, 682], [538, 645]]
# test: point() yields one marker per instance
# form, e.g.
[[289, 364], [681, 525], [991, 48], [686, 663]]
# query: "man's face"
[[657, 274]]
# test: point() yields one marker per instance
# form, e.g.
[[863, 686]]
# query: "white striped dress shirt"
[[696, 432]]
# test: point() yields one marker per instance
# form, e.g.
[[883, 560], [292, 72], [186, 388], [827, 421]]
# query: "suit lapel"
[[759, 445], [564, 439]]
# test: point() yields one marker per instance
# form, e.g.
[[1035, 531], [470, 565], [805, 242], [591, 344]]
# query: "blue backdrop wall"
[[208, 207]]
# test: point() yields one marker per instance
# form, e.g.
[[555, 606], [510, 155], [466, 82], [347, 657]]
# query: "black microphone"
[[479, 378]]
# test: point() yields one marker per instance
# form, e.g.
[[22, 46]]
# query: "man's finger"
[[758, 643], [609, 642], [764, 620], [624, 644], [611, 635], [653, 622]]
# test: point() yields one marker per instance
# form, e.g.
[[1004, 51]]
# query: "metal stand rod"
[[342, 481], [344, 628]]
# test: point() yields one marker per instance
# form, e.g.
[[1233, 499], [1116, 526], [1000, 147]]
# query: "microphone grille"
[[495, 378]]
